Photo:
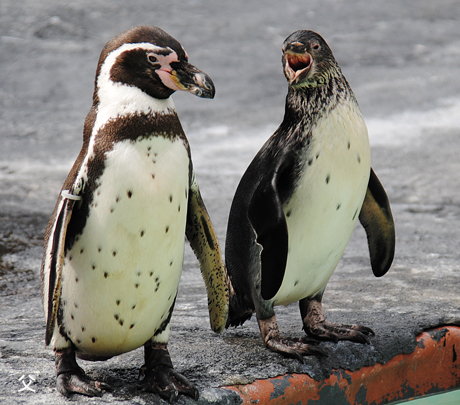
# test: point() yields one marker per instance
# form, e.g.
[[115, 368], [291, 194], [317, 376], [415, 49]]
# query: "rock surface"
[[401, 59]]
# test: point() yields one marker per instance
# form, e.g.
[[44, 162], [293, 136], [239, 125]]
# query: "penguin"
[[114, 246], [296, 205]]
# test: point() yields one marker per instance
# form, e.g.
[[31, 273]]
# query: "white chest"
[[324, 208], [121, 277]]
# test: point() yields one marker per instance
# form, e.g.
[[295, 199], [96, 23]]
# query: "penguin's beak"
[[297, 65], [186, 77]]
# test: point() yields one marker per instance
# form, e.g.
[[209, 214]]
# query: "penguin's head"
[[307, 60], [148, 58]]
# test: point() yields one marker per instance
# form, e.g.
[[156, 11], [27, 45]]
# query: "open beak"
[[186, 77], [296, 65]]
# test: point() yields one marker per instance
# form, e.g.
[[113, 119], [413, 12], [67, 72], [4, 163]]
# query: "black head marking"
[[307, 60], [153, 61]]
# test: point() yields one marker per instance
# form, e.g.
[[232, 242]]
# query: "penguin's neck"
[[305, 106], [117, 100]]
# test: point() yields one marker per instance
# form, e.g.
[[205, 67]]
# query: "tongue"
[[299, 62]]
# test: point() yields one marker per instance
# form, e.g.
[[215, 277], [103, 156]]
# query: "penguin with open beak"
[[296, 205]]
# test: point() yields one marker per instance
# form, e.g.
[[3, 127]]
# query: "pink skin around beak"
[[165, 72], [297, 65]]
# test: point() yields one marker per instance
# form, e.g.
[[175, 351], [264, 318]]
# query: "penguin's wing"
[[203, 240], [267, 218], [377, 220], [54, 259]]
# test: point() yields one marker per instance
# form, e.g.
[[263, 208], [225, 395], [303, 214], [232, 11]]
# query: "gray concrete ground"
[[401, 59]]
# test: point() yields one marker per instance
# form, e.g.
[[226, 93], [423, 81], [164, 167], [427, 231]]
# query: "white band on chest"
[[66, 194]]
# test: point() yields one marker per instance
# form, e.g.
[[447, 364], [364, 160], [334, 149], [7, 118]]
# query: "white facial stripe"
[[120, 100]]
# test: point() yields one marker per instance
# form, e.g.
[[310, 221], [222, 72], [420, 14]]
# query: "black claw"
[[160, 376]]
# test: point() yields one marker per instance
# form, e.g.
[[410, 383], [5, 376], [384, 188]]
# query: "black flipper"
[[377, 220], [267, 218], [55, 258]]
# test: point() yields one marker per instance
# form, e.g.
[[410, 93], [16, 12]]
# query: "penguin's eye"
[[152, 58], [316, 47]]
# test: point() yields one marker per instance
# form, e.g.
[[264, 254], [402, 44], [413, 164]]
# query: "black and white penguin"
[[114, 245], [296, 206]]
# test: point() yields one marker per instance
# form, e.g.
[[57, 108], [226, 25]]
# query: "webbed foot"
[[315, 325], [160, 376], [71, 379], [295, 348]]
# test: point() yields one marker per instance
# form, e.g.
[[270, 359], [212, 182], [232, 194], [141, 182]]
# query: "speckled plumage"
[[297, 204], [114, 246]]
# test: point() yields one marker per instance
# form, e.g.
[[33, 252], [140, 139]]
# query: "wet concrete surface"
[[401, 59]]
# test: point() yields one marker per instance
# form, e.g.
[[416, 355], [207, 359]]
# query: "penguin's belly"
[[121, 276], [323, 210]]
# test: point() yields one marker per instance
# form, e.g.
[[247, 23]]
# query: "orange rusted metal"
[[432, 367]]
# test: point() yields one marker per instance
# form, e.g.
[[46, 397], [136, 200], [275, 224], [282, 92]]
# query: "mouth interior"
[[299, 62]]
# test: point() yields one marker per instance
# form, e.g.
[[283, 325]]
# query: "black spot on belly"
[[151, 274], [148, 149], [317, 155], [167, 229], [178, 208], [358, 158], [72, 317], [75, 305], [186, 193], [156, 279], [93, 267], [354, 215], [120, 321], [70, 257], [310, 162], [131, 326], [288, 214], [138, 274], [349, 145], [328, 177], [106, 274], [117, 199], [130, 193], [83, 328], [93, 339], [170, 198], [117, 302], [111, 210], [78, 341], [171, 263], [82, 250], [338, 206], [116, 316], [153, 176], [76, 280], [114, 253], [99, 249], [133, 307], [136, 285], [296, 282], [142, 233]]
